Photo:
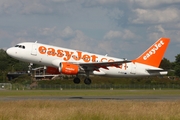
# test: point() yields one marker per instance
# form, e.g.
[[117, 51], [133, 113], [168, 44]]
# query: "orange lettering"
[[60, 53], [110, 60], [86, 58], [68, 55], [125, 66], [77, 57], [103, 59], [94, 58], [42, 49], [51, 51]]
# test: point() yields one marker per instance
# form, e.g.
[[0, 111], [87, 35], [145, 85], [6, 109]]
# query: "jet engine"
[[64, 68], [68, 68]]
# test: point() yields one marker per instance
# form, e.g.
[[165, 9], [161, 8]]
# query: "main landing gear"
[[76, 80], [87, 80]]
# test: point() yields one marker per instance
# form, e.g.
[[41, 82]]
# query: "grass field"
[[90, 109]]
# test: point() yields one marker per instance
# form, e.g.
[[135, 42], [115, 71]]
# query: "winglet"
[[154, 54]]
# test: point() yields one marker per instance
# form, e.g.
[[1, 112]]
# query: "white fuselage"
[[48, 55]]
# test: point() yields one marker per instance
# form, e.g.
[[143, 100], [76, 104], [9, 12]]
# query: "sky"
[[119, 28]]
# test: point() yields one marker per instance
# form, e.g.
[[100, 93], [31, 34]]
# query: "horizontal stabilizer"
[[157, 71]]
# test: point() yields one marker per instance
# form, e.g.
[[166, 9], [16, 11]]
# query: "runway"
[[87, 98]]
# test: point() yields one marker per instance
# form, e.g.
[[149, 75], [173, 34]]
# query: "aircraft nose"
[[10, 51]]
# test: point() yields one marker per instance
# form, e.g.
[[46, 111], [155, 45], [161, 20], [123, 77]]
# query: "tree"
[[165, 64], [177, 65]]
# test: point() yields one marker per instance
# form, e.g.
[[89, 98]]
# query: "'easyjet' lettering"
[[153, 50], [67, 55]]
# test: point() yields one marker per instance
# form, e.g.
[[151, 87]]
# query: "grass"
[[89, 109]]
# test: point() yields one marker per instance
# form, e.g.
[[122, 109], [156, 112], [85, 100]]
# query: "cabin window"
[[20, 46]]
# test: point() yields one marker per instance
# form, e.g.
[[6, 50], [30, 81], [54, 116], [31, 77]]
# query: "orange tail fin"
[[154, 54]]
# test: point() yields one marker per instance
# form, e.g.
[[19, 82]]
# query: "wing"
[[93, 65], [97, 65]]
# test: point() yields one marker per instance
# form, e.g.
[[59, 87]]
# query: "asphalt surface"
[[120, 98]]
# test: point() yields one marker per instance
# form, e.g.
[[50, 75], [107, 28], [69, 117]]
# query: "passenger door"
[[34, 49]]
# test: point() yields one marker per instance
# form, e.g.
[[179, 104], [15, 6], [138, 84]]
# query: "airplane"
[[60, 60]]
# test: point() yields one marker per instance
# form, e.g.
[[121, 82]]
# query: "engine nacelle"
[[68, 68]]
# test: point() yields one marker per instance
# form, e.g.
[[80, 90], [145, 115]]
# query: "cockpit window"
[[20, 46]]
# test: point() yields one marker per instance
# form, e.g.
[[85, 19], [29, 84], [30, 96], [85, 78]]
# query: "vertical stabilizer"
[[154, 54]]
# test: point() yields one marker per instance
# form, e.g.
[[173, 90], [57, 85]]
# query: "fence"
[[93, 86], [5, 86]]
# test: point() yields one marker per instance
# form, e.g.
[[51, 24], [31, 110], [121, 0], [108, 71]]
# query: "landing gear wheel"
[[76, 80], [87, 81]]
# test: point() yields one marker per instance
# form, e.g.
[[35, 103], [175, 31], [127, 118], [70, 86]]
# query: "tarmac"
[[87, 98]]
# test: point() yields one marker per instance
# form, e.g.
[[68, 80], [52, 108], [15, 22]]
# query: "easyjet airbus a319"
[[60, 60]]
